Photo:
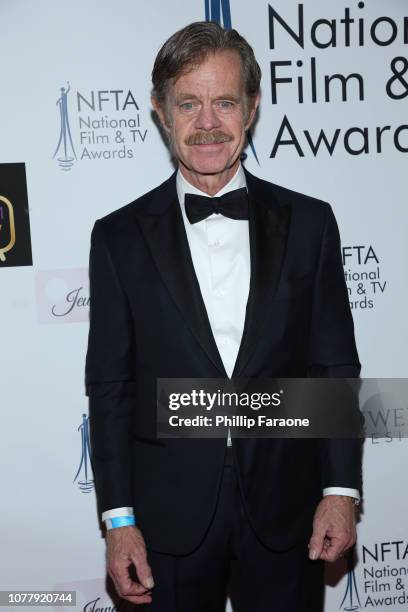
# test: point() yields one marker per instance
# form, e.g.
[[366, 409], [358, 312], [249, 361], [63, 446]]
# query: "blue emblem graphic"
[[219, 11], [65, 146], [86, 484], [214, 9], [351, 599]]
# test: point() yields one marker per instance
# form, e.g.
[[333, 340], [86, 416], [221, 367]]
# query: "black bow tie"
[[233, 204]]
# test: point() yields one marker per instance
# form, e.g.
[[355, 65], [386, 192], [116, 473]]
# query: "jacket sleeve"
[[109, 378], [333, 353]]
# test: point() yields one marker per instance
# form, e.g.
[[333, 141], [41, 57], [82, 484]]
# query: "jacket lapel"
[[163, 228], [268, 231]]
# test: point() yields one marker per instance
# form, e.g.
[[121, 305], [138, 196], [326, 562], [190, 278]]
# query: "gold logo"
[[9, 246]]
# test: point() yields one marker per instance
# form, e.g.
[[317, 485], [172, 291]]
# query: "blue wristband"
[[120, 521]]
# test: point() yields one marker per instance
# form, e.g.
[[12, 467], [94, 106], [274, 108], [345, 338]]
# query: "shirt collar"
[[184, 186]]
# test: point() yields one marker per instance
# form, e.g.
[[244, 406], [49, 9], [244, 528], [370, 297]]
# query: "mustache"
[[208, 138]]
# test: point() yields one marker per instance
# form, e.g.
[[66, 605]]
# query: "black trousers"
[[232, 562]]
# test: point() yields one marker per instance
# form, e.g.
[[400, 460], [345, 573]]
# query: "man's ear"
[[253, 106], [161, 113]]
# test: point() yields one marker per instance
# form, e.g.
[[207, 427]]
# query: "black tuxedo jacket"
[[148, 320]]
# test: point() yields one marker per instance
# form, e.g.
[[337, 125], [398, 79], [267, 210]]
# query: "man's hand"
[[334, 528], [125, 545]]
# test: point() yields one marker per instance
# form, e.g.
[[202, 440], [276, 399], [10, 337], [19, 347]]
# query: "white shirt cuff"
[[342, 491], [108, 514]]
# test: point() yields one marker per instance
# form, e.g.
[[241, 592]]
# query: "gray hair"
[[191, 45]]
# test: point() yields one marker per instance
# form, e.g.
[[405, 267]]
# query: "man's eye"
[[225, 104], [187, 106]]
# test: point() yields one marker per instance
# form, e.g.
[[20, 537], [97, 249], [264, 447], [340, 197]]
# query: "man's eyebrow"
[[187, 96], [230, 97]]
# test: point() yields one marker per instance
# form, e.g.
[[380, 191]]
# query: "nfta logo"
[[359, 255], [107, 100]]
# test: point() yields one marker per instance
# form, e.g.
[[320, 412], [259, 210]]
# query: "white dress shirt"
[[219, 249], [220, 252]]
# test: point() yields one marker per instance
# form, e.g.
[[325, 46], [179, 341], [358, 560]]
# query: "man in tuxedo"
[[215, 274]]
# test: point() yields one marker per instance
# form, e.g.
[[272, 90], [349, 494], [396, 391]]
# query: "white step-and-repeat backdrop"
[[78, 141]]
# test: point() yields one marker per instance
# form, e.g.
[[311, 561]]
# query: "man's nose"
[[207, 118]]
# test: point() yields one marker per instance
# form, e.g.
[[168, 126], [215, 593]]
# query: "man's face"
[[207, 113]]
